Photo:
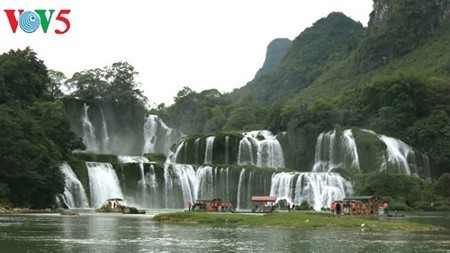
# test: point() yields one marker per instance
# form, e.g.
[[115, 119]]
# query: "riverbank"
[[296, 220], [17, 210]]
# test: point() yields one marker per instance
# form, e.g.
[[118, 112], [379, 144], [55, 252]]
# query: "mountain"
[[306, 59], [391, 77], [276, 50], [337, 53]]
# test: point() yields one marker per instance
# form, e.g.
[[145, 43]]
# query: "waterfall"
[[268, 150], [396, 154], [325, 150], [317, 189], [74, 194], [249, 187], [158, 137], [142, 183], [282, 185], [153, 185], [188, 181], [89, 138], [426, 167], [351, 151], [333, 151], [105, 135], [150, 137], [227, 149], [174, 157], [103, 183], [205, 182], [239, 191], [209, 149], [245, 153], [196, 144]]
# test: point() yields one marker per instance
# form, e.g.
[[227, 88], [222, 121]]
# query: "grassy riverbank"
[[294, 220]]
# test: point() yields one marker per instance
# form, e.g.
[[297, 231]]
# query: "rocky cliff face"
[[397, 27], [276, 50], [430, 13]]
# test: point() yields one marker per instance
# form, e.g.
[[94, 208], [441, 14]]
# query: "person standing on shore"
[[385, 206], [338, 208]]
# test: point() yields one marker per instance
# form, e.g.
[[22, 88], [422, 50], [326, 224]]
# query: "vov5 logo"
[[29, 21]]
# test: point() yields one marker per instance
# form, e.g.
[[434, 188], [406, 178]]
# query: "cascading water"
[[205, 182], [227, 149], [103, 183], [173, 158], [89, 137], [168, 187], [245, 155], [105, 135], [74, 194], [196, 144], [150, 137], [317, 189], [209, 149], [158, 137], [174, 185], [142, 184], [186, 177], [241, 180], [268, 150], [351, 151], [397, 154], [334, 150]]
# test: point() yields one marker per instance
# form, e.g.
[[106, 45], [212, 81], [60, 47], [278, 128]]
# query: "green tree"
[[217, 121], [441, 186], [52, 117], [247, 114], [394, 103], [432, 135], [57, 79], [22, 76], [274, 120], [114, 83], [88, 85], [29, 160]]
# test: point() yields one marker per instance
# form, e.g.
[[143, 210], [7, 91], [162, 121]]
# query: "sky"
[[202, 44]]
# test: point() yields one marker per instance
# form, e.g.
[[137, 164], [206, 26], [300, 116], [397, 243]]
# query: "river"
[[94, 232]]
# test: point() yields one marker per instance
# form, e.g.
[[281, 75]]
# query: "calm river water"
[[92, 232]]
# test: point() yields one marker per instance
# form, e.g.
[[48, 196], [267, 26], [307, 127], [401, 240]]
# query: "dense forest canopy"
[[35, 132]]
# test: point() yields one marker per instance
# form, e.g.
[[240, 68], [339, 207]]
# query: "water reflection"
[[126, 233]]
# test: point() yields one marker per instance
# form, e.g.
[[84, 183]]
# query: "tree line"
[[35, 131]]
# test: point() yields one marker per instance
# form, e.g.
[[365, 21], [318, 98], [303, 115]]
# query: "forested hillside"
[[392, 77]]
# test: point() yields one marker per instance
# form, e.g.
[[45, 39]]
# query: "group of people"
[[357, 208], [114, 204], [215, 206]]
